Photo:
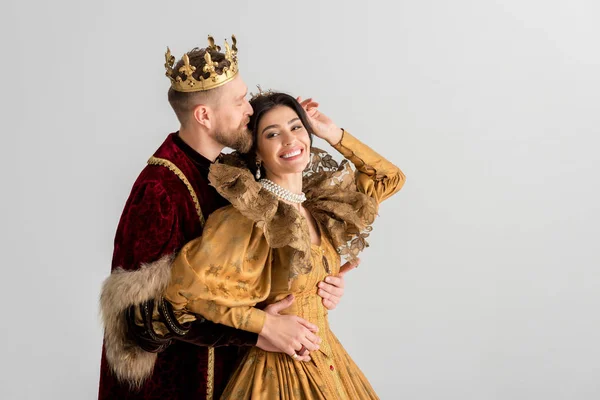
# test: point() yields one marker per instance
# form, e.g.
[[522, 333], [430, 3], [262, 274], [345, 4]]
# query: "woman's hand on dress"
[[322, 125]]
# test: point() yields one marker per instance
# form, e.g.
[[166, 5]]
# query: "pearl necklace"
[[281, 192]]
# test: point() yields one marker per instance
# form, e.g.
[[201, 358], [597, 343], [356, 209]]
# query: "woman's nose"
[[288, 140]]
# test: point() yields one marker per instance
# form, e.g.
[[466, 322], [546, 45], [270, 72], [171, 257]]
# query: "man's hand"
[[332, 289], [287, 333]]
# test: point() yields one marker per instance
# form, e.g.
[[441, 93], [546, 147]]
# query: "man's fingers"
[[310, 345], [349, 266], [307, 325], [302, 352], [304, 358], [281, 305], [310, 341], [298, 346], [328, 304], [330, 301], [330, 296], [325, 295], [313, 338], [333, 285]]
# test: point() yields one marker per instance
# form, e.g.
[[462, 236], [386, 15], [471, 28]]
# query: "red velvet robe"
[[158, 219]]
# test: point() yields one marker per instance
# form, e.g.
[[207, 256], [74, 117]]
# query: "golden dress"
[[258, 250]]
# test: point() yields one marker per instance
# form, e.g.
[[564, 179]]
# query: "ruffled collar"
[[343, 214]]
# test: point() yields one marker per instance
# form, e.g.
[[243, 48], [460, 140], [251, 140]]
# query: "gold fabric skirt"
[[331, 373]]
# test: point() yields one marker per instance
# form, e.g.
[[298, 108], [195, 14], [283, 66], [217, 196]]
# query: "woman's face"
[[283, 143]]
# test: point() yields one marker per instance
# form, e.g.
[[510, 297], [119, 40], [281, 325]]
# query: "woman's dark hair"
[[261, 105]]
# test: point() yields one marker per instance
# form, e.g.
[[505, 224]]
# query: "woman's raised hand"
[[322, 125]]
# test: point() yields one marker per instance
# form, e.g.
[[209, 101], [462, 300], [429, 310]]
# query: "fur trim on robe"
[[122, 289]]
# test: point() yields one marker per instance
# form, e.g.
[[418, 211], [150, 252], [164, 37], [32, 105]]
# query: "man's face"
[[233, 115]]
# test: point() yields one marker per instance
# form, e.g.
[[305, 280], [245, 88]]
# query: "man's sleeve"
[[149, 234], [148, 230]]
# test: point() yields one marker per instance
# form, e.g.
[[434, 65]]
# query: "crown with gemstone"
[[191, 84]]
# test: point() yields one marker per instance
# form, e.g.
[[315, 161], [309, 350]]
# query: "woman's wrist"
[[336, 137]]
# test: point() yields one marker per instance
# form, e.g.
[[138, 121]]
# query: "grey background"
[[482, 279]]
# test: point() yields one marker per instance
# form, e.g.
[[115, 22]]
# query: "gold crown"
[[190, 84], [260, 93]]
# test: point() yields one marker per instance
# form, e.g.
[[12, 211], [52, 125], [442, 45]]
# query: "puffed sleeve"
[[224, 273]]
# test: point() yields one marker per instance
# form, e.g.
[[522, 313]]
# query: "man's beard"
[[240, 140]]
